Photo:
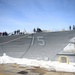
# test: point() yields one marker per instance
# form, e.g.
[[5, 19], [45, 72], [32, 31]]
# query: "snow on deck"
[[70, 48], [49, 65]]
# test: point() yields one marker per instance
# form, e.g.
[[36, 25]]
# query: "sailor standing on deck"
[[69, 27], [34, 30]]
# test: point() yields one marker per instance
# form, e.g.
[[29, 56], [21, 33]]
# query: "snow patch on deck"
[[49, 65]]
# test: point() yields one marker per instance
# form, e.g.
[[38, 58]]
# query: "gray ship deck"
[[37, 45]]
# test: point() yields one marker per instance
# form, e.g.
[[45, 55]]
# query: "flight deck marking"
[[40, 40]]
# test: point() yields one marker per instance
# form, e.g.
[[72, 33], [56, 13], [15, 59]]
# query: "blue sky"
[[29, 14]]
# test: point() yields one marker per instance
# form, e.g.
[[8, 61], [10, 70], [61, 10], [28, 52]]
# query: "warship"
[[40, 45]]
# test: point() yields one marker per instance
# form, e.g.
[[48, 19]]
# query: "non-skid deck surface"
[[35, 46]]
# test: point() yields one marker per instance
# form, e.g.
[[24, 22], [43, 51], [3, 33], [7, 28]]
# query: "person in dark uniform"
[[73, 27], [34, 30], [39, 30], [69, 27]]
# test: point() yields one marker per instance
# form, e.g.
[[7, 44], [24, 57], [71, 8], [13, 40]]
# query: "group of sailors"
[[37, 30], [17, 32], [3, 33], [70, 28]]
